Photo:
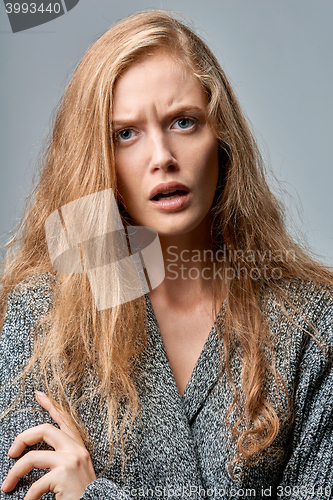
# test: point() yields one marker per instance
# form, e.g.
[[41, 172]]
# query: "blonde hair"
[[78, 160]]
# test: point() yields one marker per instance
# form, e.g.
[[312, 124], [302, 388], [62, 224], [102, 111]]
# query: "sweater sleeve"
[[24, 309], [102, 488], [309, 469]]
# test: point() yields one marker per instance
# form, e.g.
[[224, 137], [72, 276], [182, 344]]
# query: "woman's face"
[[166, 152]]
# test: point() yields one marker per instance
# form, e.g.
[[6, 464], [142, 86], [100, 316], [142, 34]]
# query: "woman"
[[216, 382]]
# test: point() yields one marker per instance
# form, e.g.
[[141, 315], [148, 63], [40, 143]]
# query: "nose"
[[161, 156]]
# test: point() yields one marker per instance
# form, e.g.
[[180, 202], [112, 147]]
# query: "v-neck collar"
[[205, 372]]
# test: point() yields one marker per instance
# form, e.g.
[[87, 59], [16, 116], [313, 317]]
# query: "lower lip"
[[173, 204]]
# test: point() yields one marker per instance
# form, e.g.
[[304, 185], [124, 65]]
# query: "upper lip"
[[166, 186]]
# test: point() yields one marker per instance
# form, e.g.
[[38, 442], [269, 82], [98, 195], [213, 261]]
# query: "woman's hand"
[[70, 463]]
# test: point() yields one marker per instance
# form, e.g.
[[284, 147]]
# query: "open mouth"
[[169, 194]]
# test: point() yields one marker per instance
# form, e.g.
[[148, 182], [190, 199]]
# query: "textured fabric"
[[181, 447]]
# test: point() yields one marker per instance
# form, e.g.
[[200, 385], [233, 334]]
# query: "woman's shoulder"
[[300, 317], [301, 298], [28, 302], [34, 291]]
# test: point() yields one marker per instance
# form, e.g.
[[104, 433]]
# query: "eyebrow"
[[185, 109]]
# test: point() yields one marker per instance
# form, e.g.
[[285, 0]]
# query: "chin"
[[172, 224], [177, 229], [172, 232]]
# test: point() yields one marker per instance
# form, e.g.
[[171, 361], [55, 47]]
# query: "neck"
[[189, 268]]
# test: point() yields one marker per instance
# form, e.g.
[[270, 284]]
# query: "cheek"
[[206, 160], [126, 175]]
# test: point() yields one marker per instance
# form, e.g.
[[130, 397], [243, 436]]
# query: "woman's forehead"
[[158, 78]]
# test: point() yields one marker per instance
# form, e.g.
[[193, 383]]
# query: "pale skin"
[[162, 135]]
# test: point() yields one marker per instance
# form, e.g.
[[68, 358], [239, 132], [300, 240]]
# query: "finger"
[[33, 459], [38, 488], [45, 484], [66, 424], [45, 432]]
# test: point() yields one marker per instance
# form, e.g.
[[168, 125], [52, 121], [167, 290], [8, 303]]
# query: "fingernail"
[[4, 484], [40, 394]]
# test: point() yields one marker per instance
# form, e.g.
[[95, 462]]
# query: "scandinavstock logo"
[[23, 15], [122, 263]]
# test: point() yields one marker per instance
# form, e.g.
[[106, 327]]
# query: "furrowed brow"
[[186, 110], [176, 111]]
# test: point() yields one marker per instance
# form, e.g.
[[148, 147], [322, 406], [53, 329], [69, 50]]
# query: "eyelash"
[[117, 134], [193, 120], [186, 118]]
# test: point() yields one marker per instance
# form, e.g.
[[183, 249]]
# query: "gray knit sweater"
[[181, 447]]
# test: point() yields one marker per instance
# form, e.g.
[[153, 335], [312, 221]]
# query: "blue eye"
[[124, 135], [184, 123]]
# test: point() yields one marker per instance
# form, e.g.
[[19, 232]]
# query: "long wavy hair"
[[78, 159]]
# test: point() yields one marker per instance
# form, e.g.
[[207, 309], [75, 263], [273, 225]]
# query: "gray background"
[[278, 55]]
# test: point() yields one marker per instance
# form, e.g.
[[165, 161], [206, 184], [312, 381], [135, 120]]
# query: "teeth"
[[175, 192], [168, 191], [172, 195]]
